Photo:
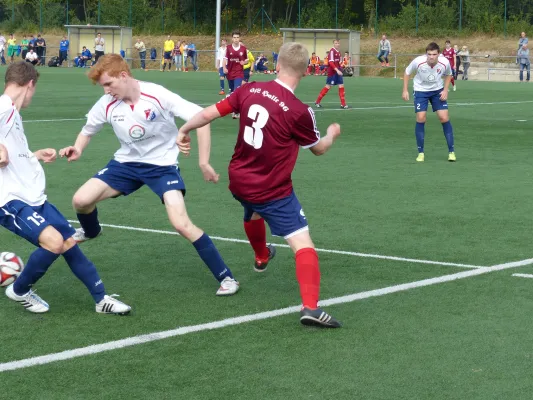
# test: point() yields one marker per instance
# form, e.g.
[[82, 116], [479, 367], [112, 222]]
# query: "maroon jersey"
[[272, 127], [450, 55], [234, 56], [335, 58]]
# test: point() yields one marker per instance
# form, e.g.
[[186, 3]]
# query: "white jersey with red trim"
[[23, 178], [146, 131], [428, 78]]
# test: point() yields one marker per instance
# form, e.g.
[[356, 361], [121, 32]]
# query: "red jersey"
[[334, 61], [450, 55], [273, 125], [234, 57]]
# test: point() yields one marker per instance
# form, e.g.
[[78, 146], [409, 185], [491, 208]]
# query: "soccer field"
[[417, 261]]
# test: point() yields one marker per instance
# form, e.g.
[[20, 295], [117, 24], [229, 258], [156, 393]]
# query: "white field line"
[[523, 275], [151, 337], [385, 107], [346, 253]]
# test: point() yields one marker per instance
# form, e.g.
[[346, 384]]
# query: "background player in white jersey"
[[428, 87], [24, 209], [142, 116], [221, 53]]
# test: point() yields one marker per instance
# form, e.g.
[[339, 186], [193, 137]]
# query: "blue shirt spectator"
[[87, 53], [63, 50], [63, 45]]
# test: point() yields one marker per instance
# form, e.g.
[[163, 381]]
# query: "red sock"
[[453, 81], [256, 233], [341, 95], [308, 276], [321, 95]]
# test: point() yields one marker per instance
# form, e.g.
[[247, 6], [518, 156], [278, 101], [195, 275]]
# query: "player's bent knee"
[[51, 240], [81, 202]]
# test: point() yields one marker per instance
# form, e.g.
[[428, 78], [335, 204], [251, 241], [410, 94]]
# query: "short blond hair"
[[112, 64], [293, 56]]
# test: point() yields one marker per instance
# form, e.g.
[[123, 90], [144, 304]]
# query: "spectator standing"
[[522, 40], [63, 50], [465, 59], [141, 48], [177, 55], [11, 47], [3, 42], [184, 50], [457, 61], [99, 47], [384, 49], [523, 59], [191, 52], [40, 45], [24, 46]]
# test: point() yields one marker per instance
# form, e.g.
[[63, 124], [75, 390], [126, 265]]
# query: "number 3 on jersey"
[[253, 135]]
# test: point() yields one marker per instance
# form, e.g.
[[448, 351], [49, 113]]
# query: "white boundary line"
[[151, 337], [523, 275], [346, 253], [320, 110]]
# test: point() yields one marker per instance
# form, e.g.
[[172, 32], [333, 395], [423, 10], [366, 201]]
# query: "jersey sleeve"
[[411, 67], [305, 131], [232, 103], [180, 107], [97, 117], [6, 113]]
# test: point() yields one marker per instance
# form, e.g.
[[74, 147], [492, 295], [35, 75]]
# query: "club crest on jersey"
[[150, 115], [240, 53], [136, 132]]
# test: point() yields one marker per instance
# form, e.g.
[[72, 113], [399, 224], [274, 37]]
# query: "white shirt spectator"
[[220, 55], [428, 78], [99, 44], [23, 178], [147, 133], [140, 46], [31, 56]]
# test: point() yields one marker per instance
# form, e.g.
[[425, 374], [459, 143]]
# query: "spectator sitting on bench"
[[32, 57], [84, 57]]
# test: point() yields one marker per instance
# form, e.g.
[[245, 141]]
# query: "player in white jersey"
[[430, 69], [221, 53], [24, 209], [142, 116]]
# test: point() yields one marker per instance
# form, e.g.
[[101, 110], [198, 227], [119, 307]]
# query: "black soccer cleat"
[[262, 266], [318, 318], [344, 107]]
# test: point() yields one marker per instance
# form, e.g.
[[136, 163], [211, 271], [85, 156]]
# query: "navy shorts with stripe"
[[335, 80], [129, 177], [234, 84], [422, 99], [28, 221], [285, 216]]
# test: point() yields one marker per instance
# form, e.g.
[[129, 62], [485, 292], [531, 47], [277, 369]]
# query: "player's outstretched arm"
[[46, 155], [333, 132], [4, 156], [405, 92], [73, 153]]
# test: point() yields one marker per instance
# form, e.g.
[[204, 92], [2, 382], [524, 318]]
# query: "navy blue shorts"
[[130, 176], [421, 100], [335, 80], [285, 216], [221, 72], [167, 55], [246, 75], [29, 221], [234, 84]]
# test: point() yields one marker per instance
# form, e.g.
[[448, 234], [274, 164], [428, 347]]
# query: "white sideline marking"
[[346, 253], [523, 275], [319, 110], [151, 337]]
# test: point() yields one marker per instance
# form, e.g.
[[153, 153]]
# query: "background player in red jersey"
[[236, 57], [449, 53], [334, 75], [274, 124]]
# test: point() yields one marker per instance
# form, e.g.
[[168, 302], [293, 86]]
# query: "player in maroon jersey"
[[236, 57], [449, 53], [334, 75], [273, 126]]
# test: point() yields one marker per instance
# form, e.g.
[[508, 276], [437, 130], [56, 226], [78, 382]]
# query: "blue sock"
[[37, 265], [419, 133], [212, 258], [89, 223], [448, 134], [222, 84], [85, 271]]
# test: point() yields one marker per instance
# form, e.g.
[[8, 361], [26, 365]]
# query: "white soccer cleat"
[[30, 301], [454, 88], [110, 305], [228, 287], [79, 236]]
